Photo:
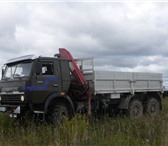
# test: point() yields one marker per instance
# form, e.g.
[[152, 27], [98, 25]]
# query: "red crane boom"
[[79, 78]]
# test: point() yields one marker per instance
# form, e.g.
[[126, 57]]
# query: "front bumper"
[[11, 102], [10, 109]]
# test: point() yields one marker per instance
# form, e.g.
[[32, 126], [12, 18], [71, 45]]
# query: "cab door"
[[47, 80]]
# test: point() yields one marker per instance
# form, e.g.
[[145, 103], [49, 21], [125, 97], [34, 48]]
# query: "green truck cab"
[[36, 84]]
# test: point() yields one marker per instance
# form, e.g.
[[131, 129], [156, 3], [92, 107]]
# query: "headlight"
[[22, 98]]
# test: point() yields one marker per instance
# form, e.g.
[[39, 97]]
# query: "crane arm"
[[79, 78]]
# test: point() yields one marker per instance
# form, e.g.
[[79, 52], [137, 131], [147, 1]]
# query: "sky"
[[130, 36]]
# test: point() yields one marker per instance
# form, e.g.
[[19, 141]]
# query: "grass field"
[[119, 131]]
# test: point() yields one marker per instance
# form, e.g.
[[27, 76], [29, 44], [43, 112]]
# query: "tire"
[[152, 107], [135, 109], [57, 114]]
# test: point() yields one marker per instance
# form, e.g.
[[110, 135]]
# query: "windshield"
[[17, 70]]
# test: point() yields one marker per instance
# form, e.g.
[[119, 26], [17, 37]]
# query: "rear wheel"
[[57, 114], [135, 108], [152, 107]]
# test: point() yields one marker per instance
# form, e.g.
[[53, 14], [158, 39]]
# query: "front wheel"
[[135, 108], [57, 113]]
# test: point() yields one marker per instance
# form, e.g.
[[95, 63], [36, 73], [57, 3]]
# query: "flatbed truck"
[[54, 87]]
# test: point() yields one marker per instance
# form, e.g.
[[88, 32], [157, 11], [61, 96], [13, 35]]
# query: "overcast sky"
[[122, 36]]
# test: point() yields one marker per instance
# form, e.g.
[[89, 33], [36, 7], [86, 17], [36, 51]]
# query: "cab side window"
[[47, 69]]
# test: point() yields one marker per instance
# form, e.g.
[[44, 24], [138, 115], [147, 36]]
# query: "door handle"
[[39, 81], [55, 85]]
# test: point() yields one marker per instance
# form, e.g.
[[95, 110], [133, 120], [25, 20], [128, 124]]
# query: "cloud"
[[121, 36]]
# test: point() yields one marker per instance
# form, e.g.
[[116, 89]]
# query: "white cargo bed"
[[103, 82]]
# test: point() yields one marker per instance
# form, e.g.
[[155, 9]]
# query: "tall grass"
[[119, 131]]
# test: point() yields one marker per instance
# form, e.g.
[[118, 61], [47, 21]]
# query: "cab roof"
[[22, 58], [30, 57]]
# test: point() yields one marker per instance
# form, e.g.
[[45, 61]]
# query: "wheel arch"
[[56, 98], [124, 104]]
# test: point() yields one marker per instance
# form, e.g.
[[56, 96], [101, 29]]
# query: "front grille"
[[10, 98]]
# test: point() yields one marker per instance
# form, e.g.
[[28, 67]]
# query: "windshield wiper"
[[5, 78], [16, 75]]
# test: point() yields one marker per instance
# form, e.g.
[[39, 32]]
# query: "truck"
[[52, 88]]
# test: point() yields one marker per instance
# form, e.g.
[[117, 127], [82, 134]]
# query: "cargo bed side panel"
[[126, 82]]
